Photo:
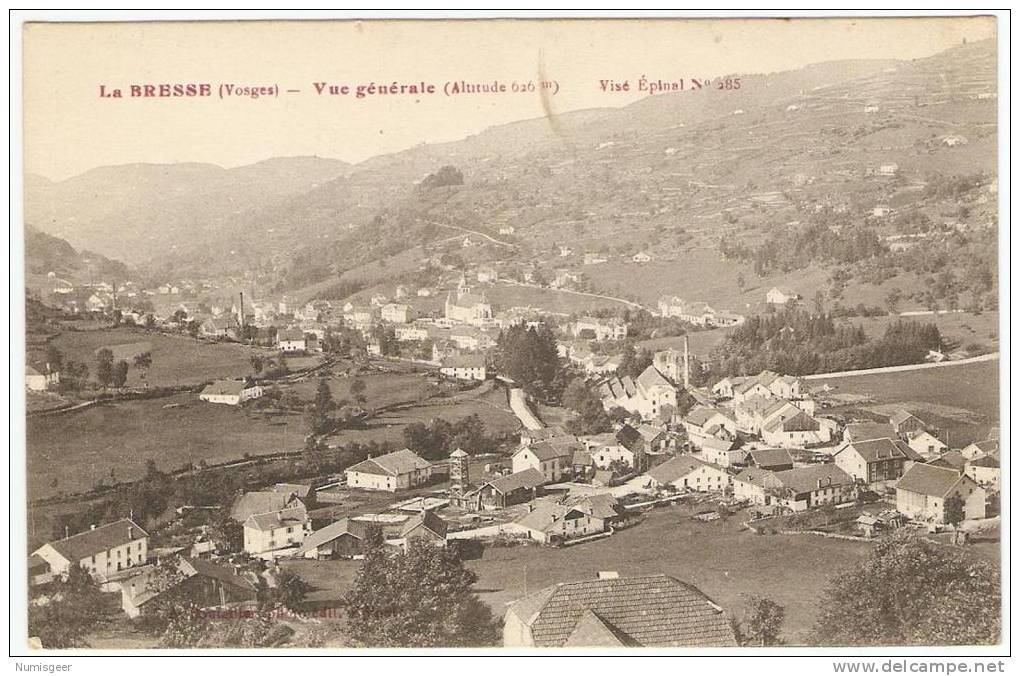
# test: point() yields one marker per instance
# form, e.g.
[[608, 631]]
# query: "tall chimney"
[[687, 364], [240, 313]]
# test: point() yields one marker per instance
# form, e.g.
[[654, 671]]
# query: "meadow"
[[176, 360]]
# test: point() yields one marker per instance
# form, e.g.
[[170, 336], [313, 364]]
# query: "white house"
[[40, 382], [101, 551], [984, 471], [641, 257], [281, 529], [926, 444], [291, 340], [703, 422], [611, 328], [875, 461], [397, 313], [781, 295], [231, 392], [552, 460], [646, 395], [464, 367], [392, 472], [686, 472], [922, 493]]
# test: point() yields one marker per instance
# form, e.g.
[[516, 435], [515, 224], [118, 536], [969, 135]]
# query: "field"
[[719, 558], [78, 449], [81, 448], [959, 329], [701, 342], [965, 396], [176, 360]]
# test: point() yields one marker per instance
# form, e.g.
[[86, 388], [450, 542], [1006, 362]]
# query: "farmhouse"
[[905, 422], [101, 551], [922, 493], [341, 538], [551, 459], [876, 460], [868, 430], [231, 392], [984, 471], [281, 529], [643, 611], [925, 443], [550, 522], [426, 526], [37, 381], [202, 584], [722, 452], [218, 327], [781, 295], [697, 313], [291, 341], [703, 422], [261, 502], [795, 430], [749, 485], [980, 448], [509, 490], [464, 367], [392, 472], [688, 473], [805, 487], [772, 459]]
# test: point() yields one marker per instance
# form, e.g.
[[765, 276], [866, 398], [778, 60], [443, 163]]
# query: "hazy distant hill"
[[670, 171], [46, 253], [139, 211]]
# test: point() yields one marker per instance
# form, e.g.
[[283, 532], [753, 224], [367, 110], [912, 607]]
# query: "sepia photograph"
[[549, 335]]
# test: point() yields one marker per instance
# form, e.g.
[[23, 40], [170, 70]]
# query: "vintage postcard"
[[559, 334]]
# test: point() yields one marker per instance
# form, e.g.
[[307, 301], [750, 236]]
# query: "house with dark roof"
[[772, 459], [922, 492], [291, 341], [341, 538], [102, 551], [793, 428], [509, 490], [426, 526], [864, 431], [984, 471], [952, 460], [396, 471], [876, 461], [611, 611], [685, 472], [202, 584]]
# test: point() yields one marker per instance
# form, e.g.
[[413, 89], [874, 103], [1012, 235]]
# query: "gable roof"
[[873, 450], [651, 610], [901, 416], [677, 468], [599, 505], [651, 379], [700, 415], [869, 430], [951, 459], [259, 502], [396, 463], [990, 461], [753, 475], [356, 529], [986, 446], [806, 479], [292, 335], [279, 519], [799, 422], [464, 361], [770, 457], [547, 450], [545, 513], [429, 520], [929, 480], [717, 443], [529, 478], [101, 539], [227, 387]]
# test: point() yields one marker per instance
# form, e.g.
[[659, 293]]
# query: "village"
[[759, 448]]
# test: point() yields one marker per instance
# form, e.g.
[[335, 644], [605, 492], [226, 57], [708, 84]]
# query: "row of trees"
[[438, 438], [797, 342]]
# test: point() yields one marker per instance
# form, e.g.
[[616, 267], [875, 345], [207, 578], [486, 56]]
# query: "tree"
[[931, 594], [320, 419], [358, 391], [75, 608], [289, 591], [54, 358], [953, 510], [741, 282], [150, 322], [256, 364], [893, 299], [193, 327], [763, 620], [417, 600], [120, 373], [104, 366], [591, 416]]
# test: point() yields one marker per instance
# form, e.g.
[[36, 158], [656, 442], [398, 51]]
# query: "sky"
[[69, 128]]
